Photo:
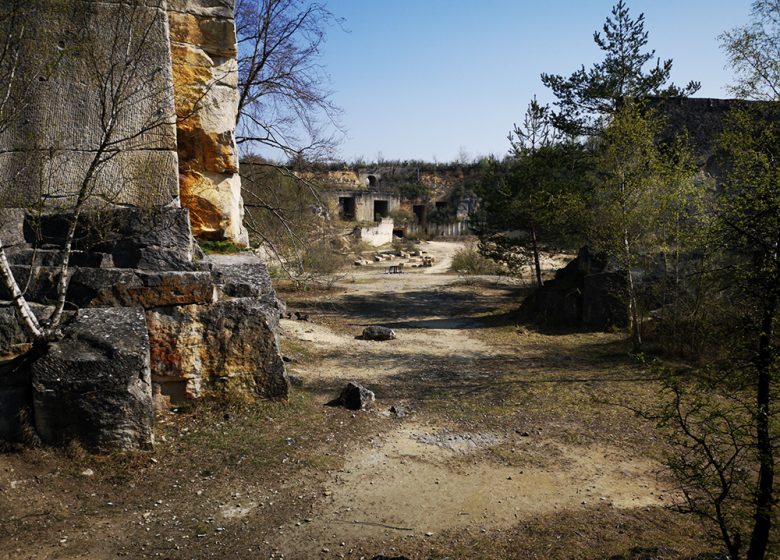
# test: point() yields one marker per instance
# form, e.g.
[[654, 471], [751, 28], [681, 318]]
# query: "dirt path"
[[437, 469]]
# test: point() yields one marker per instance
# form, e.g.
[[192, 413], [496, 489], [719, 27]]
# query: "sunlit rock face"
[[69, 124], [205, 78]]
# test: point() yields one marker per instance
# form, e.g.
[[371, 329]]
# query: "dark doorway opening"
[[347, 207], [372, 181], [381, 209], [399, 233], [419, 213]]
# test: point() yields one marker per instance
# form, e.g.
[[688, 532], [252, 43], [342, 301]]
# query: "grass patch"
[[219, 247]]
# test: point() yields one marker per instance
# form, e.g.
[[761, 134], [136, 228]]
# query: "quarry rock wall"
[[155, 324], [205, 78], [160, 135], [70, 106]]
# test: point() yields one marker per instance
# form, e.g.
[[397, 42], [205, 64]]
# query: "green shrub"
[[402, 216]]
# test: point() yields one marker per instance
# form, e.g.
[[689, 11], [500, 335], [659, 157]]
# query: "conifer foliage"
[[589, 95]]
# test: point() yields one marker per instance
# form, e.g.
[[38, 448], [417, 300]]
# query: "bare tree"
[[285, 111], [284, 103]]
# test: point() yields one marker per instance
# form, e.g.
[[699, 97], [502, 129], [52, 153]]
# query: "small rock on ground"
[[354, 397], [378, 333]]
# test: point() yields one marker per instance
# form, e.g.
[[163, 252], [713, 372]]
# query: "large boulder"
[[94, 385], [603, 300], [155, 239], [230, 346], [587, 292], [15, 398]]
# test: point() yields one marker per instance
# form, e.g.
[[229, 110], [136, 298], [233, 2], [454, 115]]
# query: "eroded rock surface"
[[205, 75], [94, 385], [230, 346]]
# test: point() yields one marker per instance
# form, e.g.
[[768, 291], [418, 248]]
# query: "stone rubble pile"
[[150, 322]]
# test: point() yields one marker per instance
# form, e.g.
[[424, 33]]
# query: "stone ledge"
[[118, 287]]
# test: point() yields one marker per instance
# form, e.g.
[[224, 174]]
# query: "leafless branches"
[[284, 103]]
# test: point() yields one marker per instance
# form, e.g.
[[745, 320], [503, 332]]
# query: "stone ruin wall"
[[47, 150], [182, 94], [205, 80]]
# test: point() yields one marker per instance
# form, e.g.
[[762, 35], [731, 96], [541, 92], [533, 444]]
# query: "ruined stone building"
[[399, 200]]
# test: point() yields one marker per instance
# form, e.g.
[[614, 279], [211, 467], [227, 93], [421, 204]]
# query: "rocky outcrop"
[[585, 293], [205, 77]]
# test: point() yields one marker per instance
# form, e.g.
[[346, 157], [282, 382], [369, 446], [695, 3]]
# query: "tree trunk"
[[759, 539], [636, 335], [27, 317], [537, 260]]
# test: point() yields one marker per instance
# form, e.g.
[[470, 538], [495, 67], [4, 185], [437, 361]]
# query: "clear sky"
[[429, 79]]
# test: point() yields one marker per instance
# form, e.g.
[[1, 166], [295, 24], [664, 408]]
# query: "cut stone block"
[[229, 346], [94, 386]]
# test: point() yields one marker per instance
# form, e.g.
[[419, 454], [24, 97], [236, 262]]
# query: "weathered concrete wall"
[[364, 202], [378, 235], [205, 74], [72, 103], [454, 229]]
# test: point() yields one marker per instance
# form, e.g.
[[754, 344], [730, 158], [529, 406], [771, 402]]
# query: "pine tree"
[[539, 191], [588, 96]]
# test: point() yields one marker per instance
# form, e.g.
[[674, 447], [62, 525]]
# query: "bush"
[[320, 258], [407, 244], [402, 216], [468, 260]]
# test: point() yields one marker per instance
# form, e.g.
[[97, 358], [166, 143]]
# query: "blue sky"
[[428, 79]]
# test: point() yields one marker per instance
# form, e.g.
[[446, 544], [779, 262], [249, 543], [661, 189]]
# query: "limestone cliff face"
[[205, 80], [63, 123]]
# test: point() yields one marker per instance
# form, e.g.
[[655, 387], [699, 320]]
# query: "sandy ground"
[[421, 477]]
